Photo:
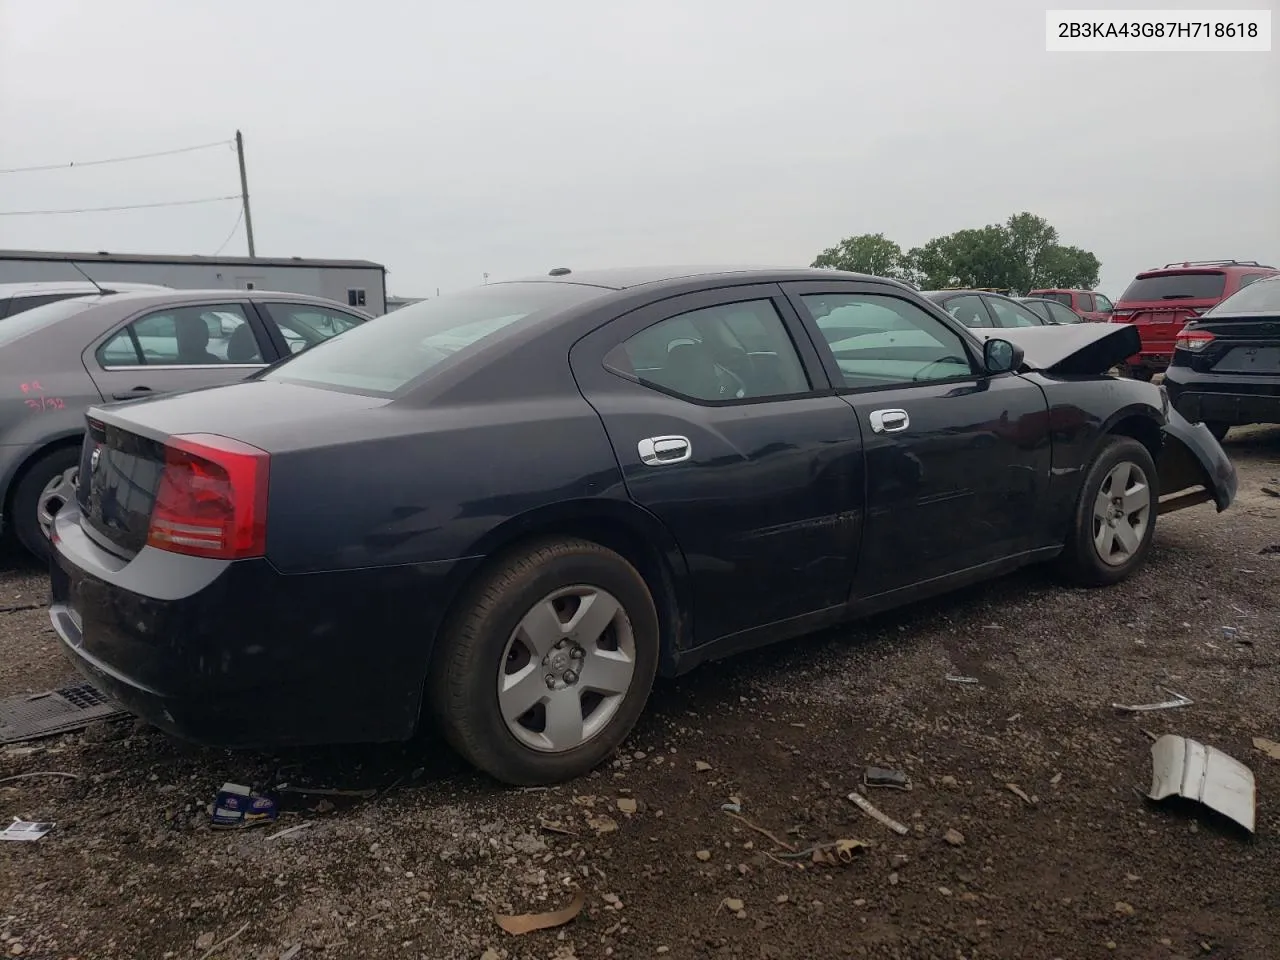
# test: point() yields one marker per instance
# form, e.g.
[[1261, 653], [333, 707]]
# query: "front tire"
[[47, 485], [1115, 517], [547, 664]]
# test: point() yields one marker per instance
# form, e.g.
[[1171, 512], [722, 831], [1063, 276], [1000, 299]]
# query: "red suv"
[[1088, 303], [1160, 302]]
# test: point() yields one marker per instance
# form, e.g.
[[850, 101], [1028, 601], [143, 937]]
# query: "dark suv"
[[1160, 302], [1226, 363]]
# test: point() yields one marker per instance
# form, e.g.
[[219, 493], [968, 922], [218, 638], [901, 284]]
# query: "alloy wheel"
[[1121, 513]]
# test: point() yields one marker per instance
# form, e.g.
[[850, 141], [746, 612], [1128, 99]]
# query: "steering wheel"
[[933, 363]]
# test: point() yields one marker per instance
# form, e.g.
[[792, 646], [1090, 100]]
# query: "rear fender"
[[1193, 467]]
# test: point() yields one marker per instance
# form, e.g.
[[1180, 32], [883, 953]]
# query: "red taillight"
[[1118, 317], [1193, 340], [212, 499]]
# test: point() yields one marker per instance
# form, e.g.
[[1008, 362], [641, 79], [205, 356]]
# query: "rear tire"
[[569, 610], [1115, 517], [1218, 429], [46, 486]]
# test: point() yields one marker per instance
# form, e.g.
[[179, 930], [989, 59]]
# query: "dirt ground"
[[1083, 867]]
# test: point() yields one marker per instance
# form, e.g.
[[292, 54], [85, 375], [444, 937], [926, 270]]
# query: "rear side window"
[[733, 351], [19, 304], [1255, 298], [184, 336], [388, 354], [969, 311], [1060, 314], [1249, 278], [304, 325], [1084, 302], [1010, 314], [1176, 286]]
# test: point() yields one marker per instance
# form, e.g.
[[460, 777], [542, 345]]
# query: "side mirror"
[[1001, 356]]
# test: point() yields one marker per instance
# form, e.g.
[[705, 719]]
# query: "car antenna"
[[97, 286]]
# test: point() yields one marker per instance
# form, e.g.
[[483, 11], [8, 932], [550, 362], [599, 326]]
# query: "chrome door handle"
[[657, 451], [889, 421]]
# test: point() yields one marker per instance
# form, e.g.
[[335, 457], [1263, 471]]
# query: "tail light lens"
[[1193, 340], [212, 499], [1118, 317]]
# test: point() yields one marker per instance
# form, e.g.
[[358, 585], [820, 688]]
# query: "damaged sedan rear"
[[502, 513]]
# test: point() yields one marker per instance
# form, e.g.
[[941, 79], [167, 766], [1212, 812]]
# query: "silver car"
[[17, 297], [58, 359]]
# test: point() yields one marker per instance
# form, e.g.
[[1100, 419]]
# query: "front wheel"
[[1115, 517], [547, 664]]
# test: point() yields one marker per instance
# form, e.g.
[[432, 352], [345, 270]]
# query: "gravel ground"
[[1071, 864]]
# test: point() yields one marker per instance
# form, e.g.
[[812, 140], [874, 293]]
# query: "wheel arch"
[[64, 439], [1138, 421], [620, 525]]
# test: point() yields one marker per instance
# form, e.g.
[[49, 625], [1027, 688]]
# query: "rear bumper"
[[235, 654], [1234, 400]]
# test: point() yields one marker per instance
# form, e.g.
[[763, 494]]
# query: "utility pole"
[[244, 192]]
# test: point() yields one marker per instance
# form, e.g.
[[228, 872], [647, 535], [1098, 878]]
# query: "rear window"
[[18, 325], [389, 352], [1258, 297], [1177, 286], [1062, 298]]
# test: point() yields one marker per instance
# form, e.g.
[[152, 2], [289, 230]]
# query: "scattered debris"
[[1056, 778], [222, 943], [602, 824], [703, 855], [1271, 491], [701, 766], [628, 805], [1269, 747], [1230, 633], [556, 826], [883, 777], [865, 805], [288, 830], [838, 851], [25, 830], [951, 678], [326, 791], [1270, 550], [760, 830], [40, 773], [1124, 909], [1021, 794], [1188, 768], [238, 806], [954, 837], [950, 782], [1181, 701], [733, 905], [31, 716], [528, 922], [292, 952], [731, 807]]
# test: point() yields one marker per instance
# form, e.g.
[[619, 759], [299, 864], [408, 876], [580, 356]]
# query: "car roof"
[[963, 292], [625, 278], [1205, 266], [177, 297], [73, 286], [1060, 290]]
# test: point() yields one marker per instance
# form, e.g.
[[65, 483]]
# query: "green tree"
[[1021, 254], [870, 253]]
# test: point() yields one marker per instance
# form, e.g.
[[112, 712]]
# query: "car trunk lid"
[[124, 452], [1240, 345]]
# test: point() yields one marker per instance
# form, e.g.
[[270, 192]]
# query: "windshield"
[[387, 353], [1262, 296], [37, 318], [1177, 286]]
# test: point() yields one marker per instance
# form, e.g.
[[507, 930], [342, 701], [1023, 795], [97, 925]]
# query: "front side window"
[[304, 325], [735, 351], [1104, 305], [1041, 308], [1060, 314], [1010, 314], [882, 341], [969, 311], [184, 336]]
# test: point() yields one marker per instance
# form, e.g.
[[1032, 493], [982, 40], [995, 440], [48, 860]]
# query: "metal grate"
[[36, 715]]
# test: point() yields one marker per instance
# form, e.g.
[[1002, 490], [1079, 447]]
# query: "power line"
[[136, 156], [129, 206], [235, 226]]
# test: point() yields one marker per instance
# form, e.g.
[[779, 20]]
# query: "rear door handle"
[[889, 421], [657, 451], [132, 394]]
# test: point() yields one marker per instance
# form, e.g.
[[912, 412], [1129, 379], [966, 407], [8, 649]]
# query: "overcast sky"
[[447, 140]]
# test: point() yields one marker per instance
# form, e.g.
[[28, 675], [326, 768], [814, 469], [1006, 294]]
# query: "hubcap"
[[1121, 512], [566, 669], [57, 493]]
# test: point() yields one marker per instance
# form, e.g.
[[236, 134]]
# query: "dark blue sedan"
[[504, 511]]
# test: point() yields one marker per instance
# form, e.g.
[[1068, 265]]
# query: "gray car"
[[58, 359], [17, 297]]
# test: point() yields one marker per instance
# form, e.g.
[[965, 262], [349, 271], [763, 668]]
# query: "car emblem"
[[94, 458]]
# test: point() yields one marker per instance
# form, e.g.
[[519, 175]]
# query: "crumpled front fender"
[[1191, 457]]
